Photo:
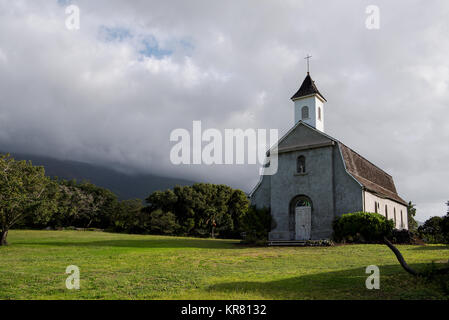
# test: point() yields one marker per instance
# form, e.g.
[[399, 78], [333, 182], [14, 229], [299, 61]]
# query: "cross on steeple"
[[308, 59]]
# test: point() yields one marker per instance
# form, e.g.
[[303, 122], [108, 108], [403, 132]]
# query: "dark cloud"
[[113, 91]]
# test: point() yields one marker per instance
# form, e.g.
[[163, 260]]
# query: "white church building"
[[319, 178]]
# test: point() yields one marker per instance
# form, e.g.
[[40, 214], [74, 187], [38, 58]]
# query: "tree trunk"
[[3, 235], [406, 267], [400, 258]]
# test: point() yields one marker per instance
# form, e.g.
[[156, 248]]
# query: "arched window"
[[402, 221], [305, 112], [394, 210], [303, 203], [301, 164], [319, 113], [386, 212]]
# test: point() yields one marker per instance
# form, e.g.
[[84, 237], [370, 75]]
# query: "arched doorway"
[[300, 218]]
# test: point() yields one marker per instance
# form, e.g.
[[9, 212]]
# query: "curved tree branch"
[[407, 268], [400, 258]]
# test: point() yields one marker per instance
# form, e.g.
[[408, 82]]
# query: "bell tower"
[[309, 104]]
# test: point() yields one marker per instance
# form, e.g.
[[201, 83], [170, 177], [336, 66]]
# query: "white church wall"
[[371, 199], [313, 103]]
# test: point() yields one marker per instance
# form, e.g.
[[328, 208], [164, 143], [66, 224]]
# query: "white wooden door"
[[303, 217]]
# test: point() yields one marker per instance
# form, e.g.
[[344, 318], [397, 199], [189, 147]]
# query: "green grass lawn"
[[119, 266]]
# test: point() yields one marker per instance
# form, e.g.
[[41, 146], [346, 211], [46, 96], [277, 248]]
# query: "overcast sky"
[[112, 91]]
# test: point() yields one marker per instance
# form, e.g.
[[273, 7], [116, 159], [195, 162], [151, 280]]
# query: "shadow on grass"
[[432, 247], [144, 243], [395, 283]]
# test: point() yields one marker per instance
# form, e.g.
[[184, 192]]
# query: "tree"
[[100, 206], [202, 209], [431, 230], [24, 191], [368, 226], [164, 200], [257, 223], [411, 212], [445, 225], [238, 207], [84, 205], [435, 229], [211, 213], [445, 228], [128, 217], [163, 222]]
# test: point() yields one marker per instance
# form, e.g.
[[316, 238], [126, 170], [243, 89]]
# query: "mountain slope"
[[124, 185]]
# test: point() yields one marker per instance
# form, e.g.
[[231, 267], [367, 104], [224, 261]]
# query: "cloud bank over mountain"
[[112, 92]]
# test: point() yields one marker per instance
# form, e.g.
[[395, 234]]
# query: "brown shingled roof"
[[369, 176], [307, 88]]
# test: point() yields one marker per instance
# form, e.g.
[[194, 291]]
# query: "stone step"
[[299, 243], [286, 243]]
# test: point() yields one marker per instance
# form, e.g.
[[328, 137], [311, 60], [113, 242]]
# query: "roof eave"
[[384, 196], [319, 96]]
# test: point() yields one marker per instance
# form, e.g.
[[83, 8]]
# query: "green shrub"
[[405, 237], [362, 227]]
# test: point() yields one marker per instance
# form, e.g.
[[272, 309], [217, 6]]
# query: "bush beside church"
[[362, 227], [365, 227]]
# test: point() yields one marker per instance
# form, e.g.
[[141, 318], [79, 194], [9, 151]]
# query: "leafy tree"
[[436, 229], [163, 222], [238, 207], [411, 212], [184, 208], [445, 224], [211, 209], [84, 205], [101, 207], [24, 191], [164, 200], [431, 231], [257, 223], [129, 217], [202, 209], [432, 226], [445, 228]]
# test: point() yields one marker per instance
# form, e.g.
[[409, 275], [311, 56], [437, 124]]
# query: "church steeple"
[[309, 104], [308, 87]]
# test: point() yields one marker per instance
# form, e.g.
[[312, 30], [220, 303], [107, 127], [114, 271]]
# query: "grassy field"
[[117, 266]]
